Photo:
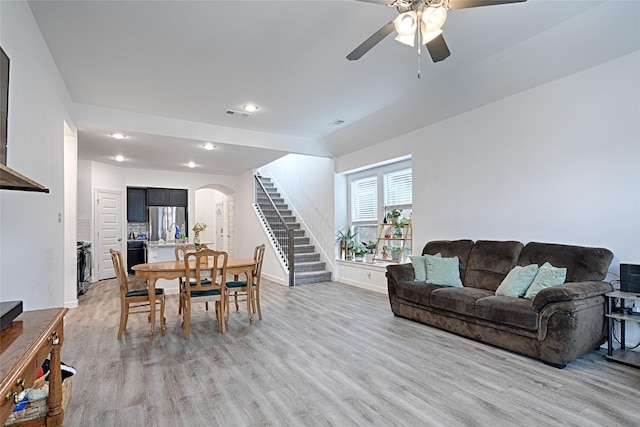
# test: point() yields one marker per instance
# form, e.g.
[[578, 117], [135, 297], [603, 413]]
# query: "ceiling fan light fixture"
[[427, 37], [406, 25], [433, 18]]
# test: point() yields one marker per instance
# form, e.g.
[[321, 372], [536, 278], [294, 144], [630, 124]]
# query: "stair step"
[[280, 204], [301, 240], [312, 277], [309, 266], [308, 257], [303, 249]]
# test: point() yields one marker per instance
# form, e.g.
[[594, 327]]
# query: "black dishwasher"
[[135, 254]]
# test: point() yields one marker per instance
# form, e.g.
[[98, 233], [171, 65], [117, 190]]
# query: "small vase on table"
[[196, 241]]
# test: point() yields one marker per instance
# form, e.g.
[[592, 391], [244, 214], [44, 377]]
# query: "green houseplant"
[[370, 248], [394, 215], [396, 253], [347, 241], [359, 250]]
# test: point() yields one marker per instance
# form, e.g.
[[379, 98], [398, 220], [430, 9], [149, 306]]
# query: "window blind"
[[397, 188], [364, 199]]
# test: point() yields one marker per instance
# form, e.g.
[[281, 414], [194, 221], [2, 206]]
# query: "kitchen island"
[[166, 251]]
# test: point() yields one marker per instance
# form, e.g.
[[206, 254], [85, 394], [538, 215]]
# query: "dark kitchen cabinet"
[[136, 204], [136, 254], [167, 197], [178, 197], [158, 197]]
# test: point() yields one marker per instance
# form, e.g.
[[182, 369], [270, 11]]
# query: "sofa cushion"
[[547, 276], [419, 268], [443, 271], [507, 310], [419, 264], [449, 249], [489, 263], [416, 292], [517, 281], [459, 300], [582, 263]]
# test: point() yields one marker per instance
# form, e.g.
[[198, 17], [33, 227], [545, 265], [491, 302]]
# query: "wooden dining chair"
[[240, 287], [210, 284], [180, 252], [134, 295]]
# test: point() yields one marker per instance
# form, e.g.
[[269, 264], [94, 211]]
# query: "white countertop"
[[170, 243]]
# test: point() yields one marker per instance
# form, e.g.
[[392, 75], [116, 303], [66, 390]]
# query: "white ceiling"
[[165, 72]]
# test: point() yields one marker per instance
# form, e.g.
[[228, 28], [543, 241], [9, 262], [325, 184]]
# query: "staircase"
[[307, 265]]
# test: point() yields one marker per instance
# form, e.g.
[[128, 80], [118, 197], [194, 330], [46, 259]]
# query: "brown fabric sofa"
[[560, 324]]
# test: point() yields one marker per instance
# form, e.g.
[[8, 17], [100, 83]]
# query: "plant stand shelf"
[[392, 239]]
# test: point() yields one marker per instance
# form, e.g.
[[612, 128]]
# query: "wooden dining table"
[[171, 270]]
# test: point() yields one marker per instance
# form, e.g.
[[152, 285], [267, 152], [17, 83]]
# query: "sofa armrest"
[[569, 292], [397, 273], [400, 272]]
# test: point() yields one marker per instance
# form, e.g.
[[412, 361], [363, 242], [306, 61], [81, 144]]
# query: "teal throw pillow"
[[516, 283], [443, 271], [547, 276], [420, 267]]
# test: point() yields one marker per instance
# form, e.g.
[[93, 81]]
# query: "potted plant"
[[394, 215], [370, 248], [347, 241], [396, 253], [359, 250], [399, 227]]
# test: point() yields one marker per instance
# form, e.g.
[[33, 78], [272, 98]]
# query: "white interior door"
[[219, 227], [231, 209], [109, 231]]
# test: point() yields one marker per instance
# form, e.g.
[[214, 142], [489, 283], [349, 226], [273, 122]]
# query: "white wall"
[[32, 225], [557, 163], [205, 201]]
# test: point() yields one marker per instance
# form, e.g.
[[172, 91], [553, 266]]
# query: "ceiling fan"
[[421, 19]]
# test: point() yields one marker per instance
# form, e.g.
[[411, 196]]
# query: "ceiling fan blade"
[[376, 38], [438, 49], [463, 4]]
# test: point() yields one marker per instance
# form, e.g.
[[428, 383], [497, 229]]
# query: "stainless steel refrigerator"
[[163, 221]]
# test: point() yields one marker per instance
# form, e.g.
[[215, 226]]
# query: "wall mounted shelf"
[[12, 180]]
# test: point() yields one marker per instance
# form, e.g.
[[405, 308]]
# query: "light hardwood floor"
[[324, 355]]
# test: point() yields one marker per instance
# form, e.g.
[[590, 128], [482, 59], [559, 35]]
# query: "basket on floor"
[[38, 408]]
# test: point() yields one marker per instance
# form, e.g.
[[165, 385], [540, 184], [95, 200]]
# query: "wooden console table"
[[24, 346]]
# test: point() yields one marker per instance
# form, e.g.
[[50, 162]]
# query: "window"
[[397, 189], [376, 191], [364, 202]]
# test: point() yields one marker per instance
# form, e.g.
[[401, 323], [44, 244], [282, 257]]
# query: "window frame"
[[379, 172]]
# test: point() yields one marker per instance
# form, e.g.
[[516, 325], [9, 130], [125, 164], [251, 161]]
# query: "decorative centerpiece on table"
[[197, 229]]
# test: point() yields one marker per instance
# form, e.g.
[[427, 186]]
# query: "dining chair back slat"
[[241, 287], [134, 295], [180, 252], [209, 284]]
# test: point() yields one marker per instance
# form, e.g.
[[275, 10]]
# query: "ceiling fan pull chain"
[[419, 52]]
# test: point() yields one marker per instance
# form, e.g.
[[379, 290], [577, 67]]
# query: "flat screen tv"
[[4, 104]]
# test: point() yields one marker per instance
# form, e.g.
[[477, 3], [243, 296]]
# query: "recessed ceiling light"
[[118, 135], [250, 108], [208, 146], [119, 158], [191, 164]]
